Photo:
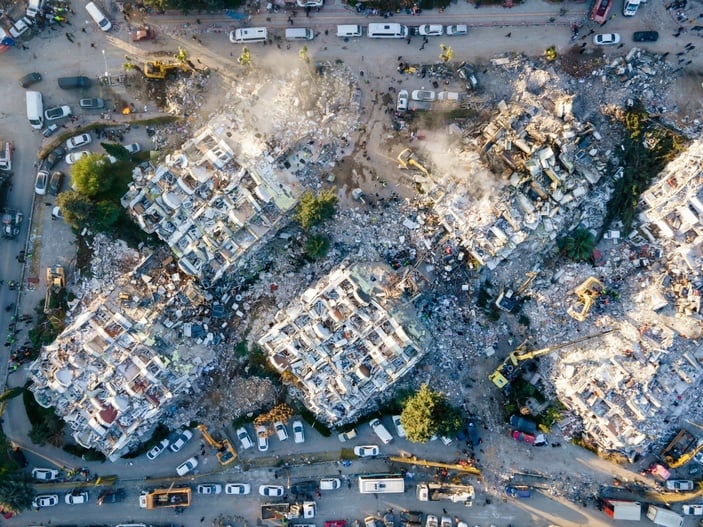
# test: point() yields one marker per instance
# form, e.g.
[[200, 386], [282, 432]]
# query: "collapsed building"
[[346, 340]]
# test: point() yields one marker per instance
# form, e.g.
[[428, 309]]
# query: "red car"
[[336, 523], [522, 437]]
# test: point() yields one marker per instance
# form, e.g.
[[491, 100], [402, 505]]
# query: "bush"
[[84, 453]]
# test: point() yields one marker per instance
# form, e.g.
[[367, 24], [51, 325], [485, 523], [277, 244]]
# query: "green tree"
[[77, 208], [91, 175], [313, 209], [578, 245], [427, 413], [16, 493], [116, 150], [317, 246], [106, 214]]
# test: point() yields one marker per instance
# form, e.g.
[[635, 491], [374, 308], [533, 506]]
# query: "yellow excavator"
[[408, 159], [587, 292], [510, 368], [686, 445], [156, 69], [226, 453], [458, 467], [55, 282]]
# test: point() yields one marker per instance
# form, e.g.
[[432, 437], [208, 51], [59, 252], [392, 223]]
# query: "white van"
[[381, 431], [33, 7], [97, 15], [35, 109], [330, 484], [299, 33], [387, 31], [247, 35], [348, 30]]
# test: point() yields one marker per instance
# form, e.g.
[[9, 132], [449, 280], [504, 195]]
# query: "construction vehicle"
[[445, 491], [510, 368], [408, 160], [143, 33], [11, 223], [55, 282], [460, 466], [682, 449], [587, 292], [165, 498], [508, 299], [156, 69], [226, 453]]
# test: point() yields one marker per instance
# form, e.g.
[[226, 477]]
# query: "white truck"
[[445, 491], [664, 517]]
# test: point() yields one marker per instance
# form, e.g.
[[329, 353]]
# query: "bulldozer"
[[226, 453], [11, 223], [55, 282], [510, 368], [156, 69], [587, 292]]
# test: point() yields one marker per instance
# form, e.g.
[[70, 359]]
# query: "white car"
[[459, 29], [402, 101], [133, 148], [398, 426], [310, 3], [346, 436], [76, 498], [244, 438], [45, 500], [45, 474], [423, 95], [187, 466], [262, 438], [694, 509], [182, 439], [606, 39], [57, 112], [431, 30], [237, 488], [41, 182], [78, 141], [281, 431], [271, 490], [431, 521], [158, 449], [298, 432], [679, 484], [209, 488], [72, 157], [366, 450]]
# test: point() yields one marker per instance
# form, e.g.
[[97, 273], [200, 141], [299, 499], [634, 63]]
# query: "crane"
[[459, 467], [509, 369], [226, 453]]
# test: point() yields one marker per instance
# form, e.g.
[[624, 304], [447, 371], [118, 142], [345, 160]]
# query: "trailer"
[[622, 510], [445, 491], [664, 517], [168, 498]]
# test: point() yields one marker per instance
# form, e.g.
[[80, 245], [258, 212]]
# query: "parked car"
[[366, 450], [398, 426], [45, 500], [78, 141], [244, 438], [209, 488], [49, 130], [389, 520], [271, 490], [431, 521], [68, 83], [133, 148], [402, 101], [31, 78], [72, 157], [41, 182], [430, 30], [76, 498], [517, 491], [45, 474], [187, 466], [522, 437], [645, 36], [606, 39], [262, 438], [298, 432], [370, 521], [411, 516], [57, 112], [446, 521], [330, 483], [459, 29], [423, 95], [158, 449], [467, 73], [679, 484], [693, 509], [20, 27], [111, 496], [181, 440], [54, 156], [281, 431], [55, 183], [237, 488], [381, 431], [348, 435], [92, 103]]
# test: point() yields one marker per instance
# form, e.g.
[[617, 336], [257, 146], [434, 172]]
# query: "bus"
[[381, 484]]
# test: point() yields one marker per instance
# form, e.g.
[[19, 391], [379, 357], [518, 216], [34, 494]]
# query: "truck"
[[11, 222], [622, 510], [165, 498], [5, 156], [445, 491], [664, 517], [278, 512]]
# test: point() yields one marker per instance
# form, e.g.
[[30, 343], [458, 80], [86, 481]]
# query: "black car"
[[645, 36], [29, 79], [54, 157], [111, 496], [55, 183], [94, 103], [68, 83]]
